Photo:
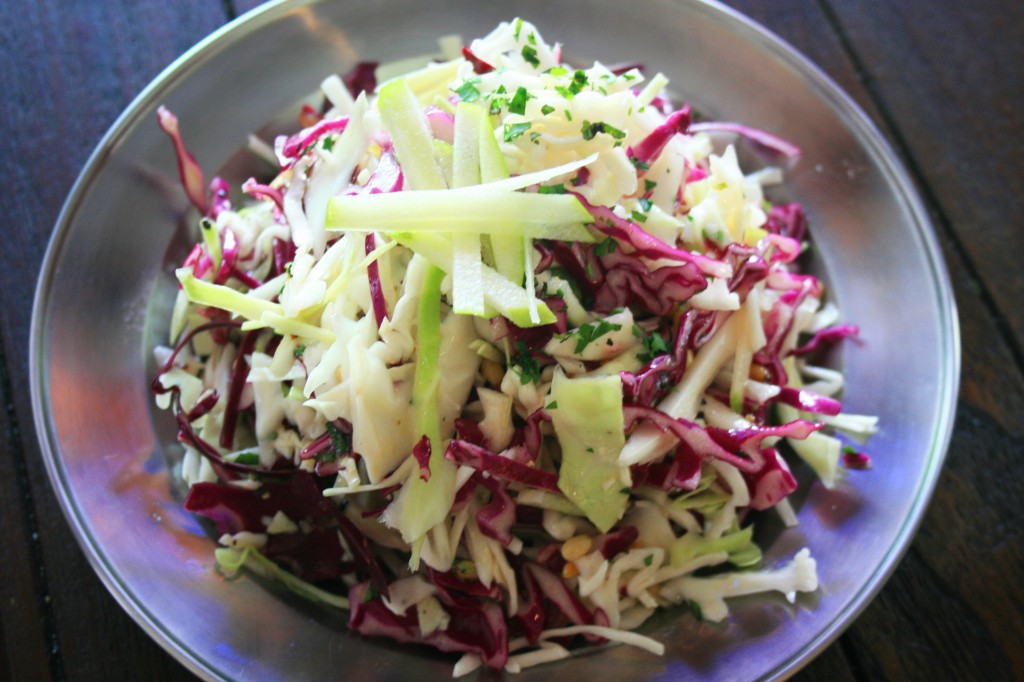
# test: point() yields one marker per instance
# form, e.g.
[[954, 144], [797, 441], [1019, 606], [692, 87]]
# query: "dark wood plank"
[[952, 608], [23, 635], [69, 69], [951, 82]]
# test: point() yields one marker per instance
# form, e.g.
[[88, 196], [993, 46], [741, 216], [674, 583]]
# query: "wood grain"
[[950, 81], [69, 70], [942, 81]]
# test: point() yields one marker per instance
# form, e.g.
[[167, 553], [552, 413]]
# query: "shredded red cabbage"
[[808, 401], [479, 65], [188, 168], [239, 374], [699, 439], [760, 137], [789, 220], [852, 459], [387, 177], [610, 545], [234, 509], [771, 483], [828, 336], [260, 191], [380, 306], [421, 452], [497, 517], [475, 626], [645, 152], [681, 473], [297, 145], [461, 452], [362, 78], [647, 245]]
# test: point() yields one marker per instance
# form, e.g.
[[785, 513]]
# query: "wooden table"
[[942, 79]]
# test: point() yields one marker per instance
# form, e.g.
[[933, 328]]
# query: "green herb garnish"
[[592, 331], [517, 105], [513, 131], [591, 130]]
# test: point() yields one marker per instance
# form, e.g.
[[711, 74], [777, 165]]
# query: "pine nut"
[[576, 547]]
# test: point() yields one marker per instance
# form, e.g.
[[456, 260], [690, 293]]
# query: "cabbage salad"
[[501, 355]]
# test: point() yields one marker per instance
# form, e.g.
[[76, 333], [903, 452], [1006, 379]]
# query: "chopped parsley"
[[551, 189], [247, 458], [645, 204], [654, 345], [299, 350], [328, 143], [530, 55], [498, 102], [649, 185], [529, 370], [591, 130], [468, 92], [341, 444], [638, 164], [579, 81], [592, 331], [519, 27], [517, 105], [648, 560], [557, 71], [607, 246], [546, 109], [513, 131], [638, 217], [553, 405]]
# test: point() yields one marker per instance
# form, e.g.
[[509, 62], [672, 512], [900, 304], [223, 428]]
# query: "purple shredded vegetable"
[[239, 374], [380, 306], [362, 78], [188, 168], [771, 483], [760, 137], [421, 452], [648, 245], [475, 626], [698, 438], [479, 65], [497, 517], [297, 145], [808, 401], [787, 220], [260, 191], [828, 336], [646, 152], [504, 468]]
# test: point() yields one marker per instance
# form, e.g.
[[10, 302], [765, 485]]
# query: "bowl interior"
[[107, 286]]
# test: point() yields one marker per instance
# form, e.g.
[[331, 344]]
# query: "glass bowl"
[[105, 291]]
